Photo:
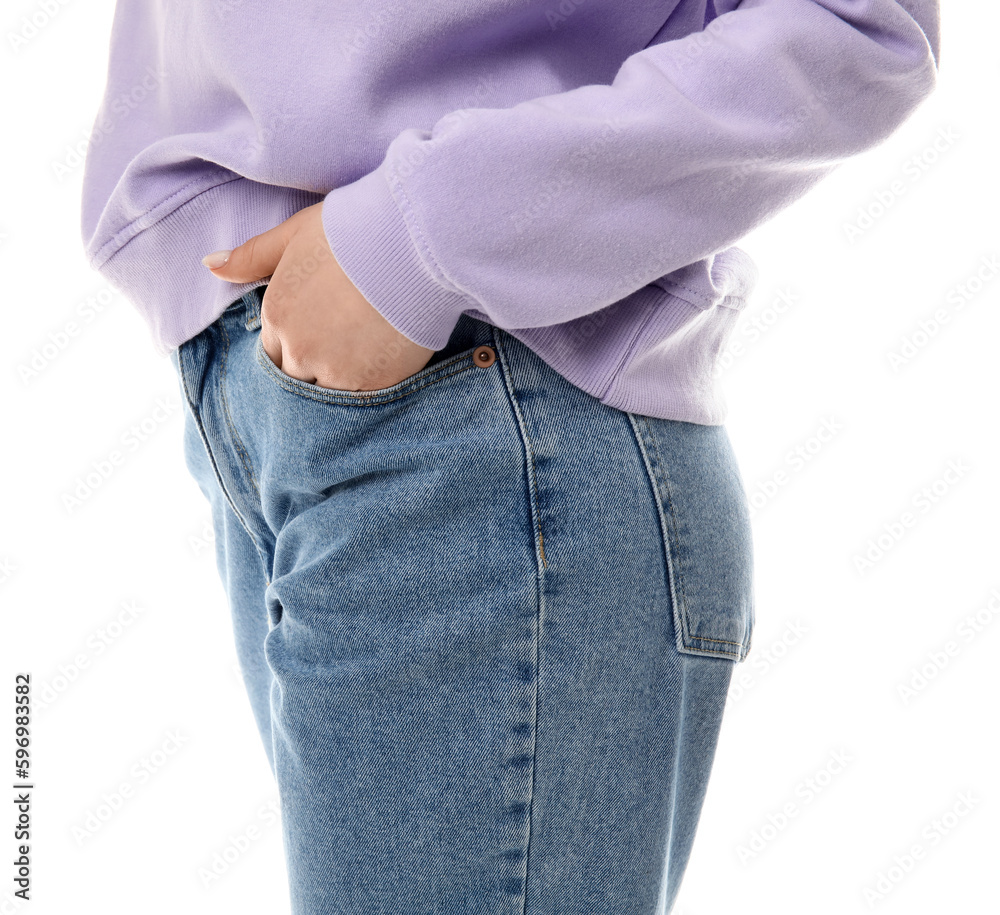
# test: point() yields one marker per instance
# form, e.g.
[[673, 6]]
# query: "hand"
[[316, 325]]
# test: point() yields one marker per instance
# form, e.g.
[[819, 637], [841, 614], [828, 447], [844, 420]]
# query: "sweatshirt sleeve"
[[562, 205]]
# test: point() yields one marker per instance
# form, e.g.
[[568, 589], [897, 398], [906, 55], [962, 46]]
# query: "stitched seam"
[[251, 309], [661, 467], [541, 539], [697, 298], [240, 449], [659, 473], [642, 434], [97, 260], [362, 398], [215, 467], [627, 355], [694, 297], [416, 233], [531, 456], [538, 501], [540, 592], [696, 293]]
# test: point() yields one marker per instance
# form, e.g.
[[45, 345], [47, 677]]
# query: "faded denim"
[[487, 624]]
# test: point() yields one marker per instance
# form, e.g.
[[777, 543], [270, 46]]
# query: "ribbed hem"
[[159, 270], [590, 350], [652, 353], [669, 371], [371, 240]]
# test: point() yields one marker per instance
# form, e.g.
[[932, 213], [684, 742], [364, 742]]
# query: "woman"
[[448, 371]]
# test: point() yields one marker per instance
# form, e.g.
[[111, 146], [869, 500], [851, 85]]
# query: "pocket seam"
[[685, 642], [675, 560], [359, 398]]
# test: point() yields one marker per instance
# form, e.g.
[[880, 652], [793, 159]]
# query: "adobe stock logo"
[[894, 530], [806, 791], [933, 834], [913, 344], [795, 460], [914, 168]]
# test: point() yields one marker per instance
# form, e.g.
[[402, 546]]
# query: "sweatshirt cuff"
[[370, 237]]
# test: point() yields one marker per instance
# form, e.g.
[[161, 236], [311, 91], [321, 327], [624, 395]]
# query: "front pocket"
[[707, 538], [428, 375]]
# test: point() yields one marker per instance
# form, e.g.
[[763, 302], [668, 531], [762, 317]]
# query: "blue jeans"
[[487, 624]]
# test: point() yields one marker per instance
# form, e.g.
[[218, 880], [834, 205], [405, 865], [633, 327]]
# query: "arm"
[[562, 205]]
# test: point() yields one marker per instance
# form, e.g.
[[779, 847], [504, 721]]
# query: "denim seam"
[[540, 589], [673, 563], [241, 450], [531, 477], [673, 517], [534, 474], [638, 423], [215, 467], [660, 474], [360, 398]]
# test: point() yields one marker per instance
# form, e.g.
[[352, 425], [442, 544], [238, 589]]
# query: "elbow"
[[924, 32], [912, 37], [917, 40]]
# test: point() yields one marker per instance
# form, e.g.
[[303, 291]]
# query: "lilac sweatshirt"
[[575, 172]]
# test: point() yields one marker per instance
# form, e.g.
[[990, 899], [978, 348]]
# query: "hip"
[[486, 472]]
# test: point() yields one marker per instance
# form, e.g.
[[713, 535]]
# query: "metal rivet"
[[484, 356]]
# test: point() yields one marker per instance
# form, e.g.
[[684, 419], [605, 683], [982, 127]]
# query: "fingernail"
[[216, 259]]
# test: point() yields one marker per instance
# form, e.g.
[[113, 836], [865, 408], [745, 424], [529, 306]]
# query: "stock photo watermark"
[[932, 835], [117, 798], [237, 845], [204, 539], [407, 166], [552, 190], [59, 339], [938, 659], [23, 763], [806, 791], [929, 327], [105, 467], [33, 24], [763, 660], [106, 121], [795, 460], [7, 569], [782, 140], [895, 530], [95, 646], [753, 328], [558, 14], [913, 169]]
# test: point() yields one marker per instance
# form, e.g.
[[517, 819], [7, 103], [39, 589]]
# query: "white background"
[[833, 644]]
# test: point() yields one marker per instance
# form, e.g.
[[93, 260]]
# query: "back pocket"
[[708, 545]]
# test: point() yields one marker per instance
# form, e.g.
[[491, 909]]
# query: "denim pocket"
[[436, 370], [707, 538]]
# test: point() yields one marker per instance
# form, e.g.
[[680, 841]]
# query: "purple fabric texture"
[[572, 172]]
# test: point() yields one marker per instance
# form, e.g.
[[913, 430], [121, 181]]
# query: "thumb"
[[254, 260]]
